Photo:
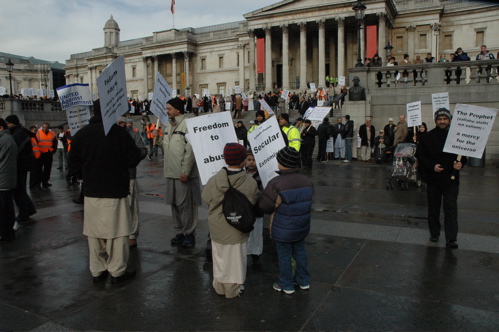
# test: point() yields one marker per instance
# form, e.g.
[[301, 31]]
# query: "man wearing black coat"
[[104, 161], [308, 144], [22, 137], [440, 170], [324, 132], [303, 106], [366, 133]]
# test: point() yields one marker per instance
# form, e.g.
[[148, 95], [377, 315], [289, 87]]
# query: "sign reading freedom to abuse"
[[208, 135]]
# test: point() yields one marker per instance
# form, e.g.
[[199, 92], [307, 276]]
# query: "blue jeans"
[[348, 148], [286, 250]]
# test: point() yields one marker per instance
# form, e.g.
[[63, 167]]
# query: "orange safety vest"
[[149, 130], [35, 148], [45, 141], [136, 130], [67, 139]]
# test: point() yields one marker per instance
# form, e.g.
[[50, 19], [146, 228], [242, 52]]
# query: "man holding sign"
[[441, 173], [183, 190]]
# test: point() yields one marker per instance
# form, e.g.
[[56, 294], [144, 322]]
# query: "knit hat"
[[260, 113], [129, 120], [288, 157], [390, 119], [177, 103], [121, 119], [234, 154], [443, 112], [12, 119], [285, 116]]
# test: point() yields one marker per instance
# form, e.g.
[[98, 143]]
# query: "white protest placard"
[[469, 130], [318, 113], [440, 100], [243, 96], [285, 94], [312, 87], [414, 114], [32, 92], [307, 112], [76, 101], [208, 135], [39, 93], [162, 94], [51, 94], [320, 103], [237, 89], [265, 142], [111, 85], [341, 81], [266, 106], [3, 91], [330, 145]]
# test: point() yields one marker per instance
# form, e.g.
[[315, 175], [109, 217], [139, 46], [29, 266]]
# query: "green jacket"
[[179, 157]]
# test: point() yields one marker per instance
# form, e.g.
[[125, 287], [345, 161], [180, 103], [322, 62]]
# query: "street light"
[[10, 66], [359, 9], [436, 32], [388, 49]]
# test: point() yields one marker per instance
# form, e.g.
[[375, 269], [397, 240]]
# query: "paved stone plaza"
[[373, 267]]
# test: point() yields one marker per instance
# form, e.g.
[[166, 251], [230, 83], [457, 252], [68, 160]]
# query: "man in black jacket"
[[303, 106], [348, 138], [308, 143], [104, 161], [22, 137], [441, 173], [324, 132]]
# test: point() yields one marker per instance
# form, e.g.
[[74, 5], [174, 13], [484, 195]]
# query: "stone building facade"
[[300, 41]]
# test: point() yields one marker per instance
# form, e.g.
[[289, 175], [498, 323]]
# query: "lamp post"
[[436, 32], [359, 9], [10, 67], [388, 49]]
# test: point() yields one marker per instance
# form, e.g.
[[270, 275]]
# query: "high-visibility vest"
[[136, 130], [294, 139], [149, 130], [67, 139], [35, 148], [45, 141]]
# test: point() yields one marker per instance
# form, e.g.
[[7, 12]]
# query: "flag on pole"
[[172, 8]]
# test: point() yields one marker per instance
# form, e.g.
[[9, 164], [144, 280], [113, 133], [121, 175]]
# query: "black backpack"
[[237, 209]]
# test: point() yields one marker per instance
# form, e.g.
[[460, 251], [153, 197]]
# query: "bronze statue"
[[356, 92]]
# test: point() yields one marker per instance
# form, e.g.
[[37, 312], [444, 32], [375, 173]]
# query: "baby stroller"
[[405, 165]]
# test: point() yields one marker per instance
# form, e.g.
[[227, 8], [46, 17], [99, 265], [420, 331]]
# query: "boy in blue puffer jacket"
[[289, 198]]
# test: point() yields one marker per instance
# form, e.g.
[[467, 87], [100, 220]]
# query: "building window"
[[480, 38], [399, 44], [220, 61], [203, 63], [221, 88], [423, 41], [247, 58], [134, 71], [447, 42]]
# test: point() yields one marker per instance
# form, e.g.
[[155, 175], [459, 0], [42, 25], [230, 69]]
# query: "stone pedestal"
[[358, 110]]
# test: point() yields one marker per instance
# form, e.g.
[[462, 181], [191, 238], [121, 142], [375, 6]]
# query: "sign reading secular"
[[162, 94], [112, 91], [265, 142], [208, 135], [76, 100], [469, 130]]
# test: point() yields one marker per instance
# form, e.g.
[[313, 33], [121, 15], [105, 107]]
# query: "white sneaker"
[[16, 225], [305, 287], [346, 161]]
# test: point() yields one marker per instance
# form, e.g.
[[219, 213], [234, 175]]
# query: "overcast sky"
[[53, 29]]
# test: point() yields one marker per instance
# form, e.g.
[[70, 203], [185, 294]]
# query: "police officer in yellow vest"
[[293, 134]]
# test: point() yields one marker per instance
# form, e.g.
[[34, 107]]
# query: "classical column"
[[91, 78], [303, 56], [149, 73], [410, 41], [382, 36], [268, 59], [252, 67], [241, 68], [434, 40], [341, 46], [333, 72], [145, 75], [322, 53], [174, 73], [285, 56], [187, 70], [156, 68]]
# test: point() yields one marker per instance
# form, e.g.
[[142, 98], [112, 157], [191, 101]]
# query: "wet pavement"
[[372, 265]]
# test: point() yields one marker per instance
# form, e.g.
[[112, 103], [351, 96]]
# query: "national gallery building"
[[290, 44]]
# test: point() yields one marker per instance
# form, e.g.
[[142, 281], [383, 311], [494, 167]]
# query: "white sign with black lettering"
[[76, 100], [208, 135], [112, 91], [312, 87], [319, 113], [265, 142], [266, 106], [414, 114], [469, 130], [162, 94], [440, 100]]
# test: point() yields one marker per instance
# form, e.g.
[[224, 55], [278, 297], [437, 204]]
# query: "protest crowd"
[[104, 161]]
